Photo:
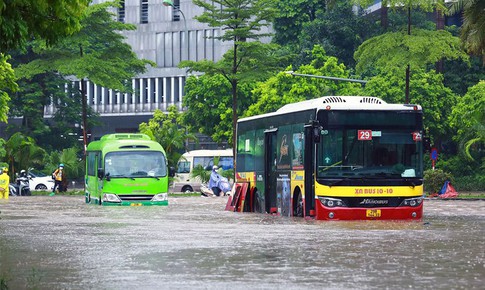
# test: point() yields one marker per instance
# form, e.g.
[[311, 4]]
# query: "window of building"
[[121, 11], [144, 11]]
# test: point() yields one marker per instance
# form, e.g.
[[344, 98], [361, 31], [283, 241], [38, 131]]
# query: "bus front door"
[[270, 174], [311, 137]]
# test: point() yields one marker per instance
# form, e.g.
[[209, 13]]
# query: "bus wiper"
[[387, 174], [153, 176], [410, 182], [342, 180]]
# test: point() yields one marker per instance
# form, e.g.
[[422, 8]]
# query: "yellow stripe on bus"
[[374, 191]]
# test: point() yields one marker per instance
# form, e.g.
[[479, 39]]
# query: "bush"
[[470, 183], [434, 180]]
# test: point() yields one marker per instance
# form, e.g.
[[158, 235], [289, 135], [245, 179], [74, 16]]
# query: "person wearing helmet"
[[58, 176], [214, 181], [4, 183]]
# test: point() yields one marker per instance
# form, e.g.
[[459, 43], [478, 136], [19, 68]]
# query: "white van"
[[184, 182]]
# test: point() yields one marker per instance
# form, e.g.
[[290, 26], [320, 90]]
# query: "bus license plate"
[[373, 213], [136, 204]]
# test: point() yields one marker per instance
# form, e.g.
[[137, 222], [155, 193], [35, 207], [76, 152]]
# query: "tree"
[[395, 50], [21, 152], [44, 19], [167, 129], [7, 82], [425, 5], [338, 29], [284, 89], [468, 119], [97, 52], [21, 21], [208, 102], [473, 28], [73, 165], [291, 17], [43, 89], [240, 21]]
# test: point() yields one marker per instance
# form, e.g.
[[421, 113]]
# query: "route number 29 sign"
[[364, 135]]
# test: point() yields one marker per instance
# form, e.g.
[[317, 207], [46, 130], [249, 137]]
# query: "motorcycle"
[[21, 186], [12, 190], [223, 185]]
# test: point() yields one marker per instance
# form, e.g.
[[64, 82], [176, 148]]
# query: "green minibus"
[[126, 169]]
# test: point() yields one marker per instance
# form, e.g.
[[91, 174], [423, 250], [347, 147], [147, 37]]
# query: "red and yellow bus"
[[334, 158]]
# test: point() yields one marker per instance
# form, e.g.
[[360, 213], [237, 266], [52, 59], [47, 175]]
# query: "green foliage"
[[425, 5], [468, 118], [338, 29], [426, 89], [434, 180], [21, 152], [208, 102], [202, 173], [241, 21], [292, 15], [45, 19], [470, 183], [29, 103], [396, 50], [97, 52], [459, 75], [284, 88], [7, 82], [73, 164], [229, 174], [168, 130], [473, 28]]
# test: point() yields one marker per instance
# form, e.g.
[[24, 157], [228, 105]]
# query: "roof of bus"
[[116, 142], [208, 153], [339, 103]]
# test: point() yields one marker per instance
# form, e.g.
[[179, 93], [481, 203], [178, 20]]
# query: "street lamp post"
[[169, 3]]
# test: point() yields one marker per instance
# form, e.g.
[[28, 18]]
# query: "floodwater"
[[62, 243]]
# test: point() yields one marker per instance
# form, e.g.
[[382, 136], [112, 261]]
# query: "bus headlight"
[[413, 202], [110, 197], [331, 202], [160, 197]]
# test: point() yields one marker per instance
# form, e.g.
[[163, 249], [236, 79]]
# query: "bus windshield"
[[370, 144], [135, 164]]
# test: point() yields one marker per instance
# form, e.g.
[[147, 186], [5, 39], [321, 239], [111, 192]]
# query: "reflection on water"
[[61, 243]]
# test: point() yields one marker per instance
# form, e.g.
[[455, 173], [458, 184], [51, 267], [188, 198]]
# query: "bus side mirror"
[[100, 173], [316, 134], [171, 171]]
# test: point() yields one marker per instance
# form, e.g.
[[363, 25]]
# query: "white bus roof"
[[339, 103], [208, 153]]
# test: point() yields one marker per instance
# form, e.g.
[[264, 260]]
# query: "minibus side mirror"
[[100, 173], [171, 171]]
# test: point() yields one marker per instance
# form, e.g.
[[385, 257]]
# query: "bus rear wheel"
[[298, 205]]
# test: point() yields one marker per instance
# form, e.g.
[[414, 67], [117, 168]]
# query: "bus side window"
[[183, 167]]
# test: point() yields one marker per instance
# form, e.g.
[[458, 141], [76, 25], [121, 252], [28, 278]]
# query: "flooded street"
[[61, 243]]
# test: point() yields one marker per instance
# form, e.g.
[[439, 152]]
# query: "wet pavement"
[[61, 243]]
